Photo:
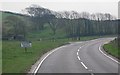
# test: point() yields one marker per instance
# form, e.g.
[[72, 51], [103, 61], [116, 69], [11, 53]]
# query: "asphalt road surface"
[[79, 57]]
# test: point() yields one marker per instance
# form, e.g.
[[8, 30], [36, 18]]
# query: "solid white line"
[[78, 57], [77, 53], [36, 69], [107, 55], [84, 65]]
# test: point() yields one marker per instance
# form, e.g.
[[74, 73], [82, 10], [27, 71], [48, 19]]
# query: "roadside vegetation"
[[112, 48]]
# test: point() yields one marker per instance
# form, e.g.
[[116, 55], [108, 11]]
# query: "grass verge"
[[112, 49]]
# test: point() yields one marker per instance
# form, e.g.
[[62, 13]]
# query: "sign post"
[[26, 44]]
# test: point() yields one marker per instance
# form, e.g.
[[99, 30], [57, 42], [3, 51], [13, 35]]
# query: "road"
[[79, 57]]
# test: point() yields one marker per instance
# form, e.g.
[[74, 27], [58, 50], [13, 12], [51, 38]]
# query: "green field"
[[14, 56], [112, 49]]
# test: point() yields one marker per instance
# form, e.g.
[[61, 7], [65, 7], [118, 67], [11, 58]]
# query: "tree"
[[39, 15], [118, 34], [85, 15], [13, 27], [54, 25], [74, 24]]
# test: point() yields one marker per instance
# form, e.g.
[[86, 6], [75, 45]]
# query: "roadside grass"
[[0, 57], [112, 49], [15, 60]]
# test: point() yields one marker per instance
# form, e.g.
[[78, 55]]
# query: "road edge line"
[[107, 55], [40, 63]]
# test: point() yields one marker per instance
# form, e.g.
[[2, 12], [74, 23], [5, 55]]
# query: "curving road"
[[79, 57]]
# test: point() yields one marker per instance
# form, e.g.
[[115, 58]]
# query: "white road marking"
[[92, 74], [77, 53], [80, 47], [90, 70], [101, 52], [107, 55], [84, 65], [78, 58], [36, 68]]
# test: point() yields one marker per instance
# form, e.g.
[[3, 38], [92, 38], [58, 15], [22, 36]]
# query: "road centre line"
[[77, 53], [78, 58], [100, 51], [84, 65]]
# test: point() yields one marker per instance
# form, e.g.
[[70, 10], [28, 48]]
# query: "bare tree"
[[54, 25], [85, 15], [93, 16], [36, 10], [39, 16]]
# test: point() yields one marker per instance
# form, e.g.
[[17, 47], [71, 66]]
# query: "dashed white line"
[[107, 55], [84, 65], [101, 52], [80, 47], [78, 58], [77, 53]]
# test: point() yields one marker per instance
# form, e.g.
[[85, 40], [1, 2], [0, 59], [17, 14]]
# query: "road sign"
[[26, 44]]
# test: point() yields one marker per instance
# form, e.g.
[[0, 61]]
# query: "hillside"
[[45, 33], [43, 23]]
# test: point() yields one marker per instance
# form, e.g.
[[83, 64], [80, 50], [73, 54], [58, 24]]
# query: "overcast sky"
[[91, 6]]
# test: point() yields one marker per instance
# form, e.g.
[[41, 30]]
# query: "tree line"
[[74, 24]]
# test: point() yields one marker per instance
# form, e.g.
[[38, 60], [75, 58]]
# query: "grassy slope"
[[46, 33], [112, 49], [6, 14]]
